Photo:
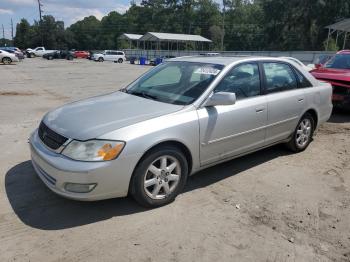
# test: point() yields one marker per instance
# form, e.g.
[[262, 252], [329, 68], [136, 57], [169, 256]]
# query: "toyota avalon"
[[182, 116]]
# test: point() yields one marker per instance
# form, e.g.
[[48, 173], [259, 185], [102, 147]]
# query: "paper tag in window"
[[207, 71]]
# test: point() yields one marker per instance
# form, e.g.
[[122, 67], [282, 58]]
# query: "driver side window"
[[243, 80]]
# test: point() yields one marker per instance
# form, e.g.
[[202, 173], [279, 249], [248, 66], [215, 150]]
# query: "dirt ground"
[[268, 206]]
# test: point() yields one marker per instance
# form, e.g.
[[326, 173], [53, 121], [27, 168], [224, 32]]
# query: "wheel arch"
[[175, 143], [6, 57], [314, 115]]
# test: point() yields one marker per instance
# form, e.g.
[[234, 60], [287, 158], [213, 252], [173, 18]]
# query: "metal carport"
[[130, 38], [341, 27], [170, 38]]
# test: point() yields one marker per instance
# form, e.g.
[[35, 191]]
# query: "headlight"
[[93, 150]]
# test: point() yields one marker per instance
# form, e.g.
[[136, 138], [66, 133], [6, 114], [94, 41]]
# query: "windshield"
[[179, 83], [340, 61]]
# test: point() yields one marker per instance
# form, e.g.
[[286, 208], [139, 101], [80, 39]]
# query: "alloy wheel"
[[162, 177], [6, 60], [303, 133]]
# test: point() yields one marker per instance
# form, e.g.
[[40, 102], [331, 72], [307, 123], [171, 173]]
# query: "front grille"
[[50, 138]]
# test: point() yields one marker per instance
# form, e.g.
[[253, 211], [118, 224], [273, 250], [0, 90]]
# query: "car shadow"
[[339, 116], [38, 207]]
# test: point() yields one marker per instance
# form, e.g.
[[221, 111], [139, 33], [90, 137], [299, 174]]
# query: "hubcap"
[[303, 133], [162, 177], [6, 61]]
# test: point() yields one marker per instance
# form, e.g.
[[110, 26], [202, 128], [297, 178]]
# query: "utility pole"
[[223, 25], [12, 30], [40, 11], [3, 34], [40, 22]]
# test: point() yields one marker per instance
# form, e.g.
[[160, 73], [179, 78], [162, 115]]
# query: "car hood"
[[332, 74], [93, 117]]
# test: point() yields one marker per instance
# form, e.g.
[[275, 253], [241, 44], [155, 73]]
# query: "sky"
[[69, 11]]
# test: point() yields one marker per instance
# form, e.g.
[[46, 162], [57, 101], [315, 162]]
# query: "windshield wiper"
[[144, 95]]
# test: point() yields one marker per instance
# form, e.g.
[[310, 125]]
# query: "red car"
[[81, 54], [337, 72]]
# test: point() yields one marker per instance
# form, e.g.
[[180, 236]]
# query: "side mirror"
[[221, 99]]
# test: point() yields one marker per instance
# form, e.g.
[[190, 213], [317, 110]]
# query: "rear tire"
[[6, 60], [165, 178], [50, 58], [31, 55], [303, 133]]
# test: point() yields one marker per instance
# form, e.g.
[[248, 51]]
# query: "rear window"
[[303, 82]]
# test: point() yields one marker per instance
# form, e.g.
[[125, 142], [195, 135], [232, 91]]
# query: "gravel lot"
[[268, 206]]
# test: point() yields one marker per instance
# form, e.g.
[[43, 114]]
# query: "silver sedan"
[[182, 116]]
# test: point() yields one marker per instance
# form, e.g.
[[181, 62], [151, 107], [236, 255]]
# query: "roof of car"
[[343, 52], [222, 60]]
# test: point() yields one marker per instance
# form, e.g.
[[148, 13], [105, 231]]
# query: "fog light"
[[79, 188]]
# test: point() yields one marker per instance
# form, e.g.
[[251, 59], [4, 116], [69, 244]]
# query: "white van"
[[110, 55]]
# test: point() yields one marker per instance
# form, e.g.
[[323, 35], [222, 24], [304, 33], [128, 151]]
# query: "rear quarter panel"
[[319, 98]]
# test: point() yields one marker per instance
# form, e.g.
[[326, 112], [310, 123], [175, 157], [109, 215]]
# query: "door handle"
[[259, 109], [300, 99]]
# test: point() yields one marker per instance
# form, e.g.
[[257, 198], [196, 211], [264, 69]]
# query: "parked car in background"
[[110, 55], [39, 51], [60, 54], [306, 67], [81, 54], [321, 60], [185, 115], [7, 58], [90, 56], [336, 71], [14, 50]]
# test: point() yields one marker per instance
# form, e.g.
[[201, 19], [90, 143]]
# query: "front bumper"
[[341, 97], [55, 170]]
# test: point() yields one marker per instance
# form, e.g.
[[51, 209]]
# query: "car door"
[[108, 56], [285, 101], [40, 51], [231, 130], [114, 56]]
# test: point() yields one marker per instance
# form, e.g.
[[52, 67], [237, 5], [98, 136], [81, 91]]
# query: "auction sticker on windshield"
[[207, 71]]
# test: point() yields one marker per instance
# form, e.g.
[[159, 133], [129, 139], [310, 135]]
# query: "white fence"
[[304, 56]]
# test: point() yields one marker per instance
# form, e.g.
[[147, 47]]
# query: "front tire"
[[101, 59], [120, 60], [7, 60], [302, 135], [159, 177]]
